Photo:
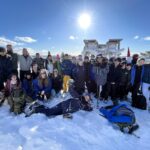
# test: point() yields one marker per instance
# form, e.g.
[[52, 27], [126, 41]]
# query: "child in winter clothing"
[[15, 94]]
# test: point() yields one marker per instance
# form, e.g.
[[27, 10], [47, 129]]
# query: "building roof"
[[91, 41], [115, 40]]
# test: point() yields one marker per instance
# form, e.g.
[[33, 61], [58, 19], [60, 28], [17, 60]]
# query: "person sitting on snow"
[[27, 86], [56, 83], [42, 86], [15, 94]]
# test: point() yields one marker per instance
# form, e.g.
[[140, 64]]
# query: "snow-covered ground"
[[86, 131]]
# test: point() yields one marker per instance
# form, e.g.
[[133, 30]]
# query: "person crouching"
[[42, 86], [15, 94]]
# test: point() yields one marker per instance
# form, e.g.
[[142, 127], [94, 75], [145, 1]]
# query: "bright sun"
[[84, 20]]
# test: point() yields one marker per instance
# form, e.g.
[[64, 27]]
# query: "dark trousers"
[[1, 85], [69, 106], [113, 92], [2, 80], [105, 91], [49, 112], [135, 89], [91, 86], [122, 91], [23, 74]]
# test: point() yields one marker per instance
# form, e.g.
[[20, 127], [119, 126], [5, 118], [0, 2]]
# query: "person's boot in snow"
[[133, 128], [68, 116], [30, 109]]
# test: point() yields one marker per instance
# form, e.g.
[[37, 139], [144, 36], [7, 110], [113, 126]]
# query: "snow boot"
[[68, 116]]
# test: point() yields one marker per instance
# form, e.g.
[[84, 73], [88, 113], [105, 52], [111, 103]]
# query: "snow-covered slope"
[[86, 131]]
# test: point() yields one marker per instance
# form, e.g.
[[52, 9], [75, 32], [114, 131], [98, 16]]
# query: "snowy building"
[[111, 48]]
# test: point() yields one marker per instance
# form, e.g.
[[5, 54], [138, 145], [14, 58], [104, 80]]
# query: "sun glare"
[[84, 21]]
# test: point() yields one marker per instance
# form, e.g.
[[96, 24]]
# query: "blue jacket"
[[67, 67], [133, 72], [110, 115], [37, 88]]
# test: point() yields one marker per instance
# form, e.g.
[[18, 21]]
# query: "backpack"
[[141, 102], [120, 115]]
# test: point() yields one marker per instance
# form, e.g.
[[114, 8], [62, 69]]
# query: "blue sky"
[[43, 25]]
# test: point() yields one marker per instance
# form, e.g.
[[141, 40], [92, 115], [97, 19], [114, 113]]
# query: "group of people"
[[43, 79]]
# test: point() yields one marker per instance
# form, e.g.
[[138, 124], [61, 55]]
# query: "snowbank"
[[86, 131]]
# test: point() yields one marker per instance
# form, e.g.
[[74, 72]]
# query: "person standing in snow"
[[5, 67], [74, 64], [79, 77], [39, 61], [35, 71], [113, 80], [146, 84], [66, 67], [136, 79], [25, 63], [123, 82], [128, 85], [57, 65], [13, 57], [100, 71], [92, 60], [49, 65], [88, 74]]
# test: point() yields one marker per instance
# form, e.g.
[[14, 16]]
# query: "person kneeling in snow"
[[64, 108]]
